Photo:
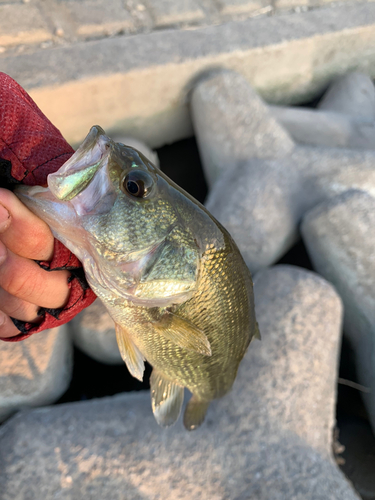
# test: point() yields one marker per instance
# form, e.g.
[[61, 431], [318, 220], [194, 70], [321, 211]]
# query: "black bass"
[[169, 274]]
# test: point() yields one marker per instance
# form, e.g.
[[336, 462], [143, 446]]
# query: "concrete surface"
[[130, 76], [232, 124], [260, 193], [344, 117], [268, 439], [339, 236], [93, 331], [130, 67], [34, 372], [352, 94]]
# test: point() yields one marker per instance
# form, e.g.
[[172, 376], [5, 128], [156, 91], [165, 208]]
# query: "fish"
[[170, 276]]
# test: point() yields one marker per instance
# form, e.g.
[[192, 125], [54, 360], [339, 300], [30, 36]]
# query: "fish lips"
[[83, 179]]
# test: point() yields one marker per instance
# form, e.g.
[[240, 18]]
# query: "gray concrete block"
[[93, 331], [288, 59], [345, 116], [261, 202], [287, 5], [339, 236], [140, 14], [256, 203], [22, 24], [61, 21], [335, 171], [352, 94], [99, 17], [34, 372], [232, 125], [265, 183], [170, 12], [269, 439], [235, 7], [326, 128]]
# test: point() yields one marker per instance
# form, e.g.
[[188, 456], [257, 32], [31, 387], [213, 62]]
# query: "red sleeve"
[[30, 149]]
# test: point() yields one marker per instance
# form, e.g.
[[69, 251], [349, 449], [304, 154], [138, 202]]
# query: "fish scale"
[[228, 333]]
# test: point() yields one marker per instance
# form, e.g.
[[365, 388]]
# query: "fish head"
[[137, 234]]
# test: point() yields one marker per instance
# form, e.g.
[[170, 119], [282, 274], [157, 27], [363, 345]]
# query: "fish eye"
[[137, 183]]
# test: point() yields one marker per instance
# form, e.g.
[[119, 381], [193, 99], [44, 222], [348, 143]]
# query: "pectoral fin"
[[130, 352], [183, 333], [170, 271], [166, 399], [195, 413]]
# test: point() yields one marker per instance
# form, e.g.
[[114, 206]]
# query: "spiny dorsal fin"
[[166, 399], [195, 413], [183, 333], [130, 352]]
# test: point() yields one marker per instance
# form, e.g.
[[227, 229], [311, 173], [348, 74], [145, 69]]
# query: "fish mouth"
[[84, 179], [79, 171]]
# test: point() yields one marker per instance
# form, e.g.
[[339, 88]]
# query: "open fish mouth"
[[83, 179]]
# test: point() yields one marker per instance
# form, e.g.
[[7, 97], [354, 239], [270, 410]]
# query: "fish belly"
[[223, 308]]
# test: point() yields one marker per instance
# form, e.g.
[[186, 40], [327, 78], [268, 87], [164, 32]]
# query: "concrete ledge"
[[139, 84]]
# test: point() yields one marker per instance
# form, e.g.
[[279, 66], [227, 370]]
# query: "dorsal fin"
[[166, 399], [183, 333], [130, 352]]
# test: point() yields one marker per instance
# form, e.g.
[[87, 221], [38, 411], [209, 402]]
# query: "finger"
[[24, 279], [22, 231], [18, 308], [7, 327]]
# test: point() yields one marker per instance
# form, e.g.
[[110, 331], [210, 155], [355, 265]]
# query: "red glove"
[[30, 149]]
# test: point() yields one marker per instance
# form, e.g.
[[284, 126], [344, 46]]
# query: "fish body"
[[169, 274]]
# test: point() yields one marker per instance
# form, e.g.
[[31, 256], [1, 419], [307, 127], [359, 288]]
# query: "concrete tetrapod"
[[326, 128], [352, 94], [93, 331], [34, 372], [232, 124], [268, 439], [345, 116], [261, 202], [339, 235], [264, 186]]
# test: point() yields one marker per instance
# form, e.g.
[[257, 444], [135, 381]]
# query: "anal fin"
[[166, 399], [130, 352], [183, 333], [195, 413]]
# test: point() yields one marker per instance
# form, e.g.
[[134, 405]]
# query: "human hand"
[[31, 147], [24, 285]]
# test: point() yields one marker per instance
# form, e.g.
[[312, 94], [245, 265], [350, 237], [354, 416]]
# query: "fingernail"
[[4, 218], [3, 252]]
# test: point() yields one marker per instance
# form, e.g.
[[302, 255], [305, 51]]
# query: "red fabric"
[[36, 148]]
